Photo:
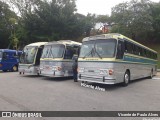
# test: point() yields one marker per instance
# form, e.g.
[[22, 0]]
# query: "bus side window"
[[125, 46], [120, 50]]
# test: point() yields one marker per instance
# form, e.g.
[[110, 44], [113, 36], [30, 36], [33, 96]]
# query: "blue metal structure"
[[9, 59]]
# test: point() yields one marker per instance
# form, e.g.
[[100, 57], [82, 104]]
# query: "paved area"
[[157, 76], [32, 93]]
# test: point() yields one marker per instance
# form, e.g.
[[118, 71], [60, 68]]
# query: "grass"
[[155, 47]]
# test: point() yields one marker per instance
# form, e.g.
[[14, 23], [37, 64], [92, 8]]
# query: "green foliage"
[[14, 41], [155, 13], [43, 20], [133, 19], [103, 19], [5, 24], [48, 20]]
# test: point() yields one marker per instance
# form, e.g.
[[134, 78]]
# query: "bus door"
[[38, 56], [120, 67]]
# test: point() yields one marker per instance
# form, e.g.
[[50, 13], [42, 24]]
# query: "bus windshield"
[[53, 51], [28, 55], [46, 51], [98, 48]]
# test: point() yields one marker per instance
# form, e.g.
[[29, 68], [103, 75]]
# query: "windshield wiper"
[[91, 52], [98, 54], [52, 54]]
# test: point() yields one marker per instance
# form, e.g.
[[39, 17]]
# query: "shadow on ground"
[[47, 78], [115, 86], [57, 79]]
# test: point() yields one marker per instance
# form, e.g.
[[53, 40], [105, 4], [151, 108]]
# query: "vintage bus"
[[113, 58], [56, 60], [30, 59], [9, 60]]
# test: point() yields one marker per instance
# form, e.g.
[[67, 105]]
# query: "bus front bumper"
[[97, 79], [30, 71], [53, 73]]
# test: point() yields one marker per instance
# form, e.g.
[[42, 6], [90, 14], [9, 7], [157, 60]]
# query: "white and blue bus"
[[56, 60], [114, 58], [30, 59]]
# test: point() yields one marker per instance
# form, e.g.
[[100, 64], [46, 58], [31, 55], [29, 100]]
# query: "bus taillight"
[[110, 72]]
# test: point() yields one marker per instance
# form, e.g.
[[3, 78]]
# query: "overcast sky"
[[100, 7]]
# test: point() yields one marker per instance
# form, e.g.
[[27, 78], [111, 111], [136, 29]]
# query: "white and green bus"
[[30, 59], [114, 58], [56, 60]]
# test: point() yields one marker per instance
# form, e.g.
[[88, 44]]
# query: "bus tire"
[[75, 80], [15, 68], [126, 79], [20, 73], [38, 74], [151, 74], [4, 70]]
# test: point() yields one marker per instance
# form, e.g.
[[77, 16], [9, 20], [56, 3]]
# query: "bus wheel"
[[4, 70], [126, 79], [151, 74], [75, 80], [20, 73], [15, 68]]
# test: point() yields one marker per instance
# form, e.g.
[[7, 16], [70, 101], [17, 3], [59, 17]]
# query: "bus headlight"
[[59, 68], [80, 70], [110, 72]]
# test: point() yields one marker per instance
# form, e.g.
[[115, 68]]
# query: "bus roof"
[[65, 42], [37, 44], [114, 36]]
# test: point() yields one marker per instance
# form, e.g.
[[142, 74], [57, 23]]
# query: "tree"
[[133, 19], [44, 20], [155, 13], [5, 27], [89, 23], [14, 40]]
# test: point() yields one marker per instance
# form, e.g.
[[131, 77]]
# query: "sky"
[[99, 7]]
